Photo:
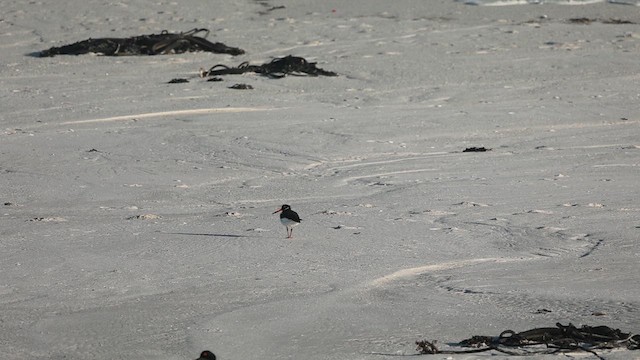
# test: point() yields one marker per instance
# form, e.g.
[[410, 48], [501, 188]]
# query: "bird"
[[207, 355], [288, 218]]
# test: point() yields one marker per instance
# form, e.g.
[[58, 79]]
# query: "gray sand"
[[137, 215]]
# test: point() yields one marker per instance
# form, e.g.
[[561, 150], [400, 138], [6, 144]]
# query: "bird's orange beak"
[[277, 211]]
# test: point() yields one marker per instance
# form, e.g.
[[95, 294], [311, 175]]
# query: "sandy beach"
[[137, 215]]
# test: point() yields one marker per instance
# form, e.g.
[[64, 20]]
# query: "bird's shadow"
[[206, 234]]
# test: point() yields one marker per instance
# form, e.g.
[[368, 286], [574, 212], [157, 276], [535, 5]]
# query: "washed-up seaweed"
[[559, 339], [241, 87], [178, 81], [587, 21], [476, 149], [276, 68], [153, 44]]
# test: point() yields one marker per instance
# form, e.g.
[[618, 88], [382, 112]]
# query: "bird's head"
[[283, 208], [207, 355]]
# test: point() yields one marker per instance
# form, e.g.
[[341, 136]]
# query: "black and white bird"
[[288, 218], [207, 355]]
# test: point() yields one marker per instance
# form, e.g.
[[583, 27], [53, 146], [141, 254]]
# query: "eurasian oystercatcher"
[[207, 355], [288, 218]]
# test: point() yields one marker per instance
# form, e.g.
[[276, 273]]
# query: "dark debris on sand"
[[276, 68], [241, 87], [587, 21], [153, 44], [476, 149], [178, 81], [551, 340]]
